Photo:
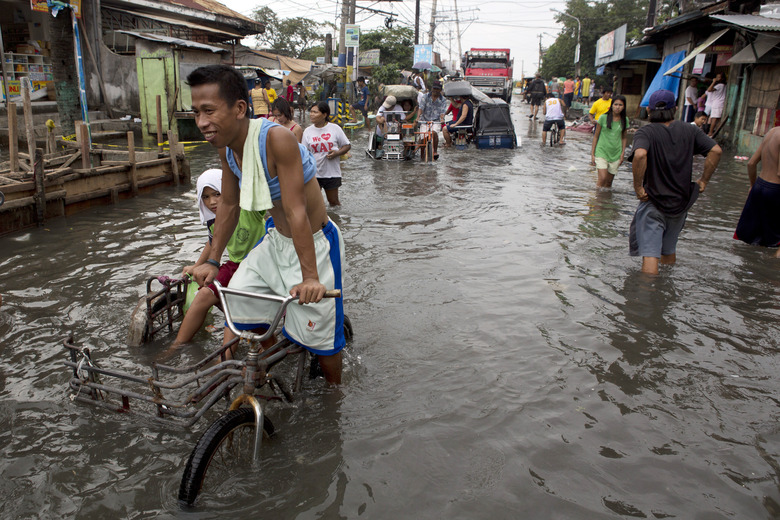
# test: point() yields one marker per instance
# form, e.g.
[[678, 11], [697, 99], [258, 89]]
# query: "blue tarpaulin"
[[665, 82]]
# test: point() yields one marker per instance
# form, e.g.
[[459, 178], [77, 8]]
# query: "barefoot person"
[[301, 254], [663, 180], [327, 142], [249, 230], [609, 142], [553, 115], [759, 223]]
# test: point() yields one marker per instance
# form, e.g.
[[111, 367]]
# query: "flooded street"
[[509, 358]]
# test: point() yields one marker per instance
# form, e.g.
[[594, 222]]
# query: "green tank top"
[[249, 230]]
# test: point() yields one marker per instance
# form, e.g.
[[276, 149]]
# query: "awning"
[[750, 21], [698, 50], [174, 41], [662, 81], [751, 54], [299, 69]]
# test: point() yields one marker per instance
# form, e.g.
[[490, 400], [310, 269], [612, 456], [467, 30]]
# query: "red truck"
[[490, 70]]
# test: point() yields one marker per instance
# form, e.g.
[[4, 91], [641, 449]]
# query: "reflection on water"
[[509, 355]]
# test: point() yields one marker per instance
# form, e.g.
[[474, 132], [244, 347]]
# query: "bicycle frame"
[[211, 383]]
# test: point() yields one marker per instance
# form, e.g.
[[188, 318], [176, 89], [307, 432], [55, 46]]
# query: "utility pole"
[[540, 53], [342, 33], [433, 23], [416, 22], [457, 29]]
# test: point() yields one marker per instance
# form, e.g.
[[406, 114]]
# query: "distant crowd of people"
[[662, 164]]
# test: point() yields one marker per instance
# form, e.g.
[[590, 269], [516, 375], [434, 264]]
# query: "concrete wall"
[[120, 78]]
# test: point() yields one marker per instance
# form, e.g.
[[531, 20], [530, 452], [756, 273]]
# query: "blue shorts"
[[653, 233]]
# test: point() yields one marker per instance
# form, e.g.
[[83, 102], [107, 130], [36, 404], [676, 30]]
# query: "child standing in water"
[[249, 231], [609, 142]]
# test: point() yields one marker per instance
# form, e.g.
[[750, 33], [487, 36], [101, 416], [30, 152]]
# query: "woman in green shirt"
[[609, 142]]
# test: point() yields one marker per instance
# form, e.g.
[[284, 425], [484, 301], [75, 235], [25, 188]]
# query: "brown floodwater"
[[509, 358]]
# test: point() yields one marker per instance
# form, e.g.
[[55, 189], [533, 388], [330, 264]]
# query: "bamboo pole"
[[82, 134], [50, 146], [133, 173], [28, 117], [13, 137], [40, 193], [173, 146], [102, 86], [159, 123]]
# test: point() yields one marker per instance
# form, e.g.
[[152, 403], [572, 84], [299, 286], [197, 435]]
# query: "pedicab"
[[492, 125], [401, 140]]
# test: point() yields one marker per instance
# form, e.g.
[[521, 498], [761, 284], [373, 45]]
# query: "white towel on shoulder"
[[255, 195]]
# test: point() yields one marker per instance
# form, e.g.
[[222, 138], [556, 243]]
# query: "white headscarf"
[[213, 179]]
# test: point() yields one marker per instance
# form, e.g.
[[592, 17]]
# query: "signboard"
[[723, 59], [423, 52], [320, 60], [606, 45], [352, 35], [43, 6], [369, 58], [611, 46], [698, 64], [15, 88]]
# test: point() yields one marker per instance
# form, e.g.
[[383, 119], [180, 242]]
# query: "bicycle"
[[555, 135], [234, 435]]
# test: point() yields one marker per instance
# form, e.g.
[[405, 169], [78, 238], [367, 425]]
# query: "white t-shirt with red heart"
[[320, 141]]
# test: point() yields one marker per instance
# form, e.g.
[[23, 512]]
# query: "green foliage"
[[289, 36], [396, 46], [386, 74], [667, 9], [313, 53], [596, 18]]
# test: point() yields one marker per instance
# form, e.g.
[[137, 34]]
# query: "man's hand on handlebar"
[[205, 273], [308, 291]]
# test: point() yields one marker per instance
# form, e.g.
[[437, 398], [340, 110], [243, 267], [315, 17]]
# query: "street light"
[[577, 51]]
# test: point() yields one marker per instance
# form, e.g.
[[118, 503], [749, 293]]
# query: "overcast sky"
[[516, 24]]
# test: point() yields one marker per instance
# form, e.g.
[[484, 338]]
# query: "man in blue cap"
[[663, 180]]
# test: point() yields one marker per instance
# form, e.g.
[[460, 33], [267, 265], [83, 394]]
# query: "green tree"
[[396, 46], [289, 36], [387, 74], [596, 19]]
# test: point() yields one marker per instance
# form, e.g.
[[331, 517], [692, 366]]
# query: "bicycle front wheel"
[[229, 440]]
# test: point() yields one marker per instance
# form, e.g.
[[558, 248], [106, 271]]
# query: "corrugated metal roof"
[[175, 41], [210, 6], [749, 21]]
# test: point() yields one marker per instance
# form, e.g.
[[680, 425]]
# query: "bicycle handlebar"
[[284, 301]]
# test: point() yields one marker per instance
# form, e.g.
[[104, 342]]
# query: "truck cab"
[[490, 71]]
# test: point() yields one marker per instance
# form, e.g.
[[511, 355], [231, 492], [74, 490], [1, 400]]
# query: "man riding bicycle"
[[553, 115]]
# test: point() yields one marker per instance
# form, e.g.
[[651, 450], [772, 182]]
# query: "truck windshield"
[[487, 65]]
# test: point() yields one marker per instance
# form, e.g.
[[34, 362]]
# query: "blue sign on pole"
[[423, 52]]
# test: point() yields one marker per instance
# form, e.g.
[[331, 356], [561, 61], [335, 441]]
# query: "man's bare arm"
[[224, 225], [289, 171], [713, 158], [752, 165], [638, 168]]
